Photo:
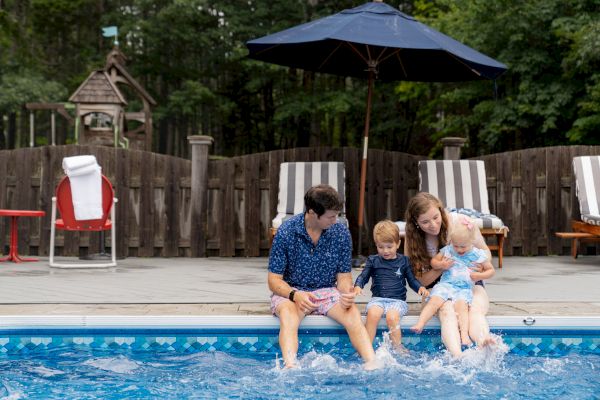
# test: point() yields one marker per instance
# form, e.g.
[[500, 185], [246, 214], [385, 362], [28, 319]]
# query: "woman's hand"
[[476, 270], [445, 263], [423, 292], [357, 290]]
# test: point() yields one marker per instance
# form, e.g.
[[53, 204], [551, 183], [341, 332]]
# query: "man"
[[310, 272]]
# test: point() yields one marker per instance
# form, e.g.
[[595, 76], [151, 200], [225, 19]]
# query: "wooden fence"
[[531, 190]]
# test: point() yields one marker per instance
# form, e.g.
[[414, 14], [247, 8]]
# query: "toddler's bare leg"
[[373, 316], [392, 318], [432, 306], [462, 310]]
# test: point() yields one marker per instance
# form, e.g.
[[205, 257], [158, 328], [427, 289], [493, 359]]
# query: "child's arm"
[[363, 278], [412, 281], [441, 261]]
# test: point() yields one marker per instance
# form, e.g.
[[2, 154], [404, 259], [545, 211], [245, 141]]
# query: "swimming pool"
[[237, 357]]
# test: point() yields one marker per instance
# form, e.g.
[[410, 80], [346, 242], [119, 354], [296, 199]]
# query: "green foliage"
[[16, 90], [190, 56]]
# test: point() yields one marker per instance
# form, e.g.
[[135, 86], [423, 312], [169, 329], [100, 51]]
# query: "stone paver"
[[212, 286]]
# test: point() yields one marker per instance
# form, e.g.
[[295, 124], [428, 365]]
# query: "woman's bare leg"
[[462, 310], [450, 333], [373, 316], [479, 330], [432, 306]]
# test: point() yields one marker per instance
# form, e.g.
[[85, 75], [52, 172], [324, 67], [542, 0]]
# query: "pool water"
[[83, 371]]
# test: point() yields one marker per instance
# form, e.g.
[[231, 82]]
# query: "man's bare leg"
[[289, 321], [350, 319]]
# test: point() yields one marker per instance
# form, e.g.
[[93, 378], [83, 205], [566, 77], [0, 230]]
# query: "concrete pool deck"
[[552, 286]]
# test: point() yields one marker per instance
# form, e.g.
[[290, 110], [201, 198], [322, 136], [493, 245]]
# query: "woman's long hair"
[[415, 237]]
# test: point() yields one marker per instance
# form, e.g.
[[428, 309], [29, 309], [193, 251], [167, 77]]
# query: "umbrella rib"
[[397, 53], [359, 53], [330, 55], [464, 63]]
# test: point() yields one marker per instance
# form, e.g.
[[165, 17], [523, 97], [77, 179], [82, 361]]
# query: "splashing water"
[[489, 372]]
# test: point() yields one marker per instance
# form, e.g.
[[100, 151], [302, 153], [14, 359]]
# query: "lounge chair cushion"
[[590, 219], [483, 221], [295, 178], [587, 179]]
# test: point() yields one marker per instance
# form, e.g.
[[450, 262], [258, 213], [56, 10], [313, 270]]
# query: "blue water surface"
[[493, 373]]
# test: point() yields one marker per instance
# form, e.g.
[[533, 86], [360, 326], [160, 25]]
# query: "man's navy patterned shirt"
[[304, 265]]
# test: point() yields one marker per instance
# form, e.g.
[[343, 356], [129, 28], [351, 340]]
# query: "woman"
[[427, 226]]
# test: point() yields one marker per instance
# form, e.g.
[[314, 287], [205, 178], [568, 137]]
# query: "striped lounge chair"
[[461, 186], [295, 178], [587, 180], [587, 187]]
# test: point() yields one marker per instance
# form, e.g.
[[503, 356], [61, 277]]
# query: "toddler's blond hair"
[[386, 232], [463, 230]]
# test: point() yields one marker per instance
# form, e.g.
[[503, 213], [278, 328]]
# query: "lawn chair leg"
[[574, 244], [500, 238]]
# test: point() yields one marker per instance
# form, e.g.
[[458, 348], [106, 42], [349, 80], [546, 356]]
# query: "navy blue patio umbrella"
[[374, 41]]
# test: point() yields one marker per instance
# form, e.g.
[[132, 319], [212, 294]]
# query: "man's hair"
[[321, 198], [386, 232]]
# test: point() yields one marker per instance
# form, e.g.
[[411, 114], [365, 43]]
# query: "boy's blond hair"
[[386, 232], [463, 230]]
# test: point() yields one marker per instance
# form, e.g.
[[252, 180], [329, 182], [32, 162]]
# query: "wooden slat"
[[172, 214], [251, 172], [147, 210], [226, 230], [553, 196]]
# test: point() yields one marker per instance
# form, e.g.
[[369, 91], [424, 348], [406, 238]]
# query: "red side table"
[[14, 216]]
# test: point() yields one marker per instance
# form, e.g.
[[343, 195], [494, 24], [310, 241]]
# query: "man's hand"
[[423, 292], [357, 290], [347, 299], [305, 301]]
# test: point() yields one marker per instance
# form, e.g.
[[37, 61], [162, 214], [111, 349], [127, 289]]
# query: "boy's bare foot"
[[488, 341], [418, 328], [466, 341], [400, 349]]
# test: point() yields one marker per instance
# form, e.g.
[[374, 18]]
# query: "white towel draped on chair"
[[85, 176]]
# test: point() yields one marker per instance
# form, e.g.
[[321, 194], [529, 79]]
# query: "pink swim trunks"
[[327, 298]]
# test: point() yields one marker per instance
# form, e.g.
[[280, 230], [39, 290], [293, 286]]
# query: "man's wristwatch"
[[291, 295]]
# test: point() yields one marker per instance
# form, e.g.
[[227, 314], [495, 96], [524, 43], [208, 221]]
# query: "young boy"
[[390, 272], [456, 283]]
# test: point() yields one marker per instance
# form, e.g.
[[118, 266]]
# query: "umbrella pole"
[[363, 167]]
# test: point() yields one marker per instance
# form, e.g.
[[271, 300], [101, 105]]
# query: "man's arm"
[[277, 285]]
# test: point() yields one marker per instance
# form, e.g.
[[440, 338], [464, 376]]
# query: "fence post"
[[199, 193], [452, 147]]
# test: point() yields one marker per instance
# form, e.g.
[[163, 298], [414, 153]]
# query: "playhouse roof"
[[98, 89]]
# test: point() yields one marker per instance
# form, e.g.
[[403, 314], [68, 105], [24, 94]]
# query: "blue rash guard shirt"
[[389, 277], [304, 265]]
